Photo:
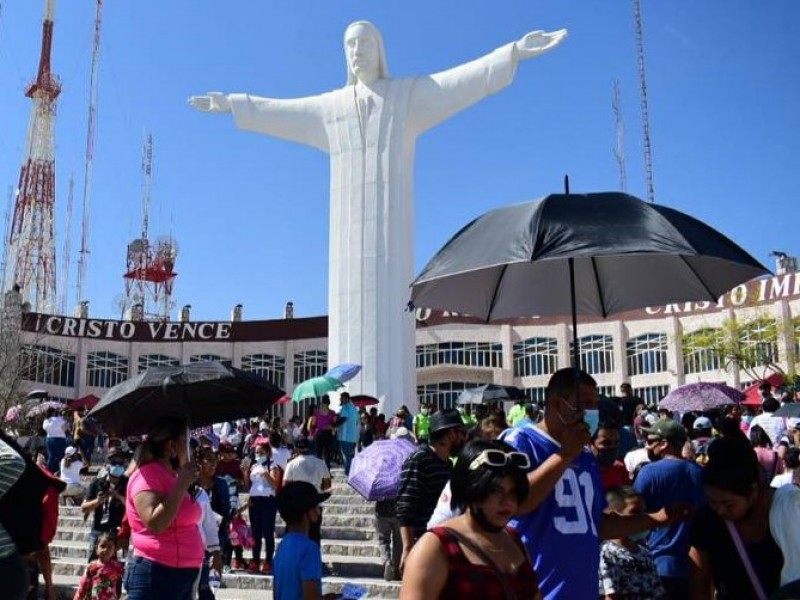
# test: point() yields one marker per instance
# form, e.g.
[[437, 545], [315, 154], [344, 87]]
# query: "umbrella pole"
[[575, 350]]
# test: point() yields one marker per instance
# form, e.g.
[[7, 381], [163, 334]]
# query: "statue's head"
[[365, 53]]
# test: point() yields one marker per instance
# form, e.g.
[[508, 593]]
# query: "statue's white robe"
[[370, 134]]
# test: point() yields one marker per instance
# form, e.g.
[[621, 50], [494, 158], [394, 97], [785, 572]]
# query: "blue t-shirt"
[[662, 483], [298, 559], [348, 431], [562, 534]]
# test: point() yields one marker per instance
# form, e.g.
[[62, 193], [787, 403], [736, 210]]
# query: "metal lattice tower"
[[31, 241], [83, 252], [150, 268], [619, 148], [648, 148]]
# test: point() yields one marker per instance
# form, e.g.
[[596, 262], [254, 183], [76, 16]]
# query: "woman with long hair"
[[324, 421], [164, 517], [769, 460], [475, 555], [732, 550]]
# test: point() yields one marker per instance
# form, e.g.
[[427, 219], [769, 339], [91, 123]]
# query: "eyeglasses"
[[498, 458]]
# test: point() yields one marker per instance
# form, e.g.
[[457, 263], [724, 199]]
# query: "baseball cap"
[[70, 451], [702, 423], [667, 429], [299, 496], [402, 433]]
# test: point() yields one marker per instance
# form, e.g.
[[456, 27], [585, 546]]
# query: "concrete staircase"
[[349, 549]]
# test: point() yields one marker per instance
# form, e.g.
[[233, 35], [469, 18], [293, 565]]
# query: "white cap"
[[401, 433], [793, 423], [71, 450]]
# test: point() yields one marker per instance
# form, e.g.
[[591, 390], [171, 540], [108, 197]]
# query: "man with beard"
[[670, 479], [425, 473]]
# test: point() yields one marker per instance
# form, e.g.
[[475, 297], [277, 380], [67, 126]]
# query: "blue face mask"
[[591, 417], [261, 459], [116, 471]]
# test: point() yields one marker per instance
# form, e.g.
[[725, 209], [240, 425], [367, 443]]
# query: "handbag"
[[751, 572], [484, 556]]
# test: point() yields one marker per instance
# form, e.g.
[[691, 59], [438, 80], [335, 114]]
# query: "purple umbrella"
[[375, 472], [701, 397]]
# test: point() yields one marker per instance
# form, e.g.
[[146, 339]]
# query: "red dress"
[[466, 580]]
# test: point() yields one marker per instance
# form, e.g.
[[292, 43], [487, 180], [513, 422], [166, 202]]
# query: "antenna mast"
[[67, 251], [83, 260], [619, 149], [648, 149]]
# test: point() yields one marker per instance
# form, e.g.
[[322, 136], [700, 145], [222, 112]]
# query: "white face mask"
[[424, 412]]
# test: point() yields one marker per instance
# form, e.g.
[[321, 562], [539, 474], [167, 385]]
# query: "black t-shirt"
[[710, 535], [108, 515]]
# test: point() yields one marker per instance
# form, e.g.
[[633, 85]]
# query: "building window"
[[536, 395], [597, 353], [759, 344], [44, 364], [156, 360], [797, 340], [106, 369], [444, 394], [270, 367], [699, 353], [647, 354], [465, 354], [651, 395], [196, 358], [312, 363], [536, 356]]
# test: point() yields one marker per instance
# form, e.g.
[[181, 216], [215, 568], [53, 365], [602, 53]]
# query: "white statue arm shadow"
[[296, 119], [435, 98]]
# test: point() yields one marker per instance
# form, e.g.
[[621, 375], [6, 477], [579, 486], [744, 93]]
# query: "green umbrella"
[[315, 387]]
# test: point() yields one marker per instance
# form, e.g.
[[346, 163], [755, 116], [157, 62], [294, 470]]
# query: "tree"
[[747, 344]]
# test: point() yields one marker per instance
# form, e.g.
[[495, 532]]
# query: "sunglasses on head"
[[498, 458]]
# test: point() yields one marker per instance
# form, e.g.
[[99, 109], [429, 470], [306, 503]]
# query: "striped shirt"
[[11, 467], [421, 482]]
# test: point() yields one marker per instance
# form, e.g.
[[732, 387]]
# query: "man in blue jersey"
[[562, 520]]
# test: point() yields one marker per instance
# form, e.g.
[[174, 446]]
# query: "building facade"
[[73, 357]]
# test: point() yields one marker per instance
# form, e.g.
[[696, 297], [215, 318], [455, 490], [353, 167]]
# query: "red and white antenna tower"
[[648, 148], [31, 242], [150, 272], [83, 260]]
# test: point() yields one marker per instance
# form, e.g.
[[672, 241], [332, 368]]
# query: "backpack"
[[26, 509]]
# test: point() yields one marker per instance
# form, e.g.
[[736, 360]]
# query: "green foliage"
[[747, 344]]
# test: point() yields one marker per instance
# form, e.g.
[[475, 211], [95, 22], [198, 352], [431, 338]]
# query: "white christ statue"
[[369, 128]]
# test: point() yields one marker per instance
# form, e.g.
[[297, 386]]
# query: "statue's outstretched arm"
[[297, 119], [437, 97]]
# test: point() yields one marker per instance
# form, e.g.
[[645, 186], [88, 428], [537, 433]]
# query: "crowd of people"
[[579, 497]]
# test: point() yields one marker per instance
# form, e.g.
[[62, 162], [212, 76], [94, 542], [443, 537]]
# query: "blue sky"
[[250, 212]]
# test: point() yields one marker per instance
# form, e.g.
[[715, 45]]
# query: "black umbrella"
[[202, 393], [588, 254], [491, 392]]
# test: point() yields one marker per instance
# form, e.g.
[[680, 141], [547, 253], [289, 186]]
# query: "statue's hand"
[[539, 42], [213, 102]]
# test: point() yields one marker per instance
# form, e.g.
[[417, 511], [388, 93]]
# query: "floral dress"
[[101, 581]]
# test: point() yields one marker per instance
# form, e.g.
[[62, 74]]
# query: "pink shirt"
[[325, 421], [180, 544]]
